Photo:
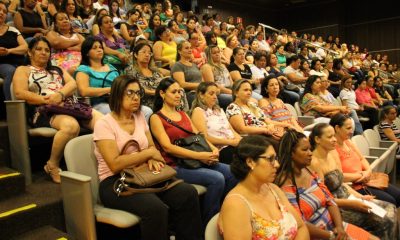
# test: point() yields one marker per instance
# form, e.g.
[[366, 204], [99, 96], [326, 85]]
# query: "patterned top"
[[309, 101], [149, 83], [264, 229], [251, 118], [313, 202], [217, 124], [222, 76], [277, 111], [384, 125]]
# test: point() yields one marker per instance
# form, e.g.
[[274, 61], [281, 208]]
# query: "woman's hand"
[[155, 165], [208, 158], [368, 197], [360, 206], [53, 99], [340, 233]]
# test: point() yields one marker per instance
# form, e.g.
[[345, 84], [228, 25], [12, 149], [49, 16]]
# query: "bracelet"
[[62, 95]]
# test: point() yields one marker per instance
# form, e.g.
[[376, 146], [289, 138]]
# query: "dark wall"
[[371, 24]]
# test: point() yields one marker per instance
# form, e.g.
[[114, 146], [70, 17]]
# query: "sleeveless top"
[[32, 20], [43, 82], [168, 51], [350, 161], [263, 229], [64, 58], [174, 133]]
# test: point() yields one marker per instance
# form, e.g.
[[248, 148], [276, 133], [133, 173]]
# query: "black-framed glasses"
[[132, 93], [270, 159]]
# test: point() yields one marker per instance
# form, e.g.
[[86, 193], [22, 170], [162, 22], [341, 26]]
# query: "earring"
[[252, 168]]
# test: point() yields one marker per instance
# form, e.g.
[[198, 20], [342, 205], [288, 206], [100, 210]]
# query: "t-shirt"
[[9, 40], [350, 97], [107, 128], [192, 73], [244, 73], [383, 125]]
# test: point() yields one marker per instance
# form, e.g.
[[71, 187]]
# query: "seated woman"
[[364, 99], [92, 22], [327, 96], [70, 7], [93, 77], [326, 162], [128, 29], [312, 104], [154, 23], [333, 77], [244, 213], [185, 72], [288, 96], [164, 48], [12, 50], [381, 90], [54, 86], [355, 167], [213, 174], [274, 107], [113, 45], [211, 120], [387, 129], [144, 69], [31, 20], [238, 69], [177, 34], [308, 194], [124, 123], [215, 71], [66, 44], [247, 118], [258, 70], [231, 43]]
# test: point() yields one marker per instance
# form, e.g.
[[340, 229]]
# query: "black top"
[[9, 40], [30, 20], [246, 73]]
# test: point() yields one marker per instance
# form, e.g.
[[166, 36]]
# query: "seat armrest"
[[306, 120], [387, 144], [78, 205], [373, 151]]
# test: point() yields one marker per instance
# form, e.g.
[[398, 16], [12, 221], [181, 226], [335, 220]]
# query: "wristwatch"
[[332, 235]]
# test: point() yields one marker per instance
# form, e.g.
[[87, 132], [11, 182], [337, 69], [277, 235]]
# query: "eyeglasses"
[[145, 52], [132, 93], [270, 159]]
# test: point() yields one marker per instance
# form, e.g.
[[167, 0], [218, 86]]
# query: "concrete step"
[[38, 206], [47, 232], [12, 183]]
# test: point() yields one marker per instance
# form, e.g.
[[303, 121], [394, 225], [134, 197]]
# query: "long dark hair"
[[264, 85], [63, 8], [151, 21], [163, 86], [307, 89], [49, 67], [287, 146]]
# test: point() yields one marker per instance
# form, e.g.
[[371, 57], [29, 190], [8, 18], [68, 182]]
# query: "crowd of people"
[[146, 69]]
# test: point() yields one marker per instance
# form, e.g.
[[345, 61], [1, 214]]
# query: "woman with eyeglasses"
[[308, 194], [180, 204], [353, 205], [212, 174], [256, 208]]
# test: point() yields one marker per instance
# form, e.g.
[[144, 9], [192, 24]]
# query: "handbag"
[[378, 180], [141, 179], [71, 107], [195, 142]]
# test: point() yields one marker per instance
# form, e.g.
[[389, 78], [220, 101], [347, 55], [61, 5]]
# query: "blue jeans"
[[357, 125], [218, 180], [7, 73]]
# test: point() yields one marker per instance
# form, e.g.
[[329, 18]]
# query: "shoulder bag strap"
[[105, 77], [173, 123]]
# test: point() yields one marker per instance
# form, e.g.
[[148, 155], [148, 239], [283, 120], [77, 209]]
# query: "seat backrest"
[[212, 232], [376, 128], [298, 110], [397, 122], [372, 137], [362, 144], [291, 109], [79, 157]]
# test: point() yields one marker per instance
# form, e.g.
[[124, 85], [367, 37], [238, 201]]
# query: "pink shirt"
[[363, 96], [108, 128]]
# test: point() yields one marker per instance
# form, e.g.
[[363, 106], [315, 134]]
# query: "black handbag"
[[195, 142]]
